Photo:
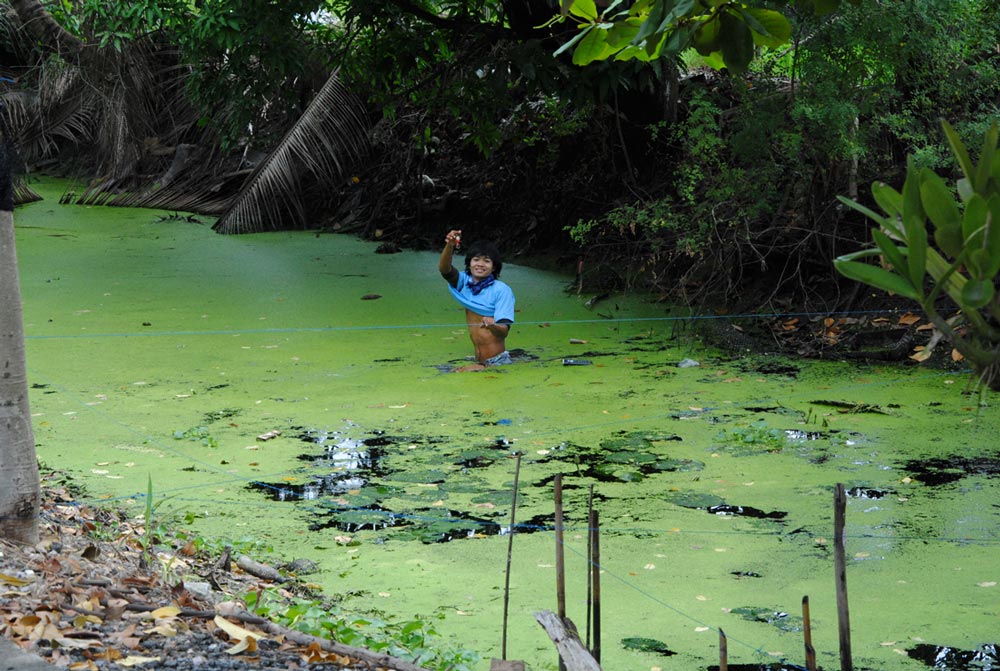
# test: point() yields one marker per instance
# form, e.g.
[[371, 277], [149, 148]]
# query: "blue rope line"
[[376, 327]]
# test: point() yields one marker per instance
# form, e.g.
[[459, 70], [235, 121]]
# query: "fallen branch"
[[260, 570], [574, 654]]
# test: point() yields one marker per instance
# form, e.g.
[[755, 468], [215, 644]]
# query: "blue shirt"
[[496, 300]]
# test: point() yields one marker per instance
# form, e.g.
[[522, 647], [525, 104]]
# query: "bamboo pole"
[[510, 553], [723, 651], [560, 560], [590, 559], [840, 571], [595, 553], [807, 634]]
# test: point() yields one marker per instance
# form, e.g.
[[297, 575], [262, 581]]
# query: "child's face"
[[480, 267]]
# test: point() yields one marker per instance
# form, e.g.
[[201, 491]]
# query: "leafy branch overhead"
[[726, 33]]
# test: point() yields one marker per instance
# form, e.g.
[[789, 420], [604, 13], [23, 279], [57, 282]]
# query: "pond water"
[[289, 387]]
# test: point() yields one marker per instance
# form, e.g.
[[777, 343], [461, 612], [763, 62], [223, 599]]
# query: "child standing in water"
[[488, 302]]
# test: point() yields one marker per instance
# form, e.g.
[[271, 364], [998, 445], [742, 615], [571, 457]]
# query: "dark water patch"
[[776, 618], [776, 666], [946, 470], [984, 658], [475, 461], [868, 493], [433, 525], [850, 407], [726, 510], [352, 520], [219, 415], [771, 368], [640, 644], [715, 505]]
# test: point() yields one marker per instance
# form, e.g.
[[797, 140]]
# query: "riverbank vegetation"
[[708, 185]]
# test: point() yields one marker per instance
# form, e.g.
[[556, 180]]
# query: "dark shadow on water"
[[946, 470], [983, 658]]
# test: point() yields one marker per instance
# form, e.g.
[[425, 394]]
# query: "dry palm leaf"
[[328, 138]]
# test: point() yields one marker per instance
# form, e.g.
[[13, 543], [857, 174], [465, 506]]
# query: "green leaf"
[[681, 9], [939, 203], [890, 200], [650, 26], [585, 9], [736, 41], [876, 277], [622, 34], [992, 244], [892, 253], [771, 28], [961, 153], [576, 38], [593, 47], [916, 245], [912, 202], [974, 222], [983, 170], [706, 38], [977, 293]]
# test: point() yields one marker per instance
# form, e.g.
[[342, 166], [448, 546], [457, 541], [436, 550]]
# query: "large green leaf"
[[593, 47], [706, 37], [974, 221], [585, 9], [770, 28], [890, 200], [983, 170], [876, 277], [961, 153], [939, 203], [892, 253], [736, 40], [916, 241], [977, 293]]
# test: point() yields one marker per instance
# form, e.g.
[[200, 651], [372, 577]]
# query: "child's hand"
[[454, 238]]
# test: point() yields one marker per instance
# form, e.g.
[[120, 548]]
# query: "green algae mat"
[[293, 389]]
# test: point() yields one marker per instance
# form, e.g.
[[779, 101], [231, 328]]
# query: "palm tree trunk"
[[40, 24], [19, 485]]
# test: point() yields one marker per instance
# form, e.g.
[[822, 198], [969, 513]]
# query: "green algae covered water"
[[290, 388]]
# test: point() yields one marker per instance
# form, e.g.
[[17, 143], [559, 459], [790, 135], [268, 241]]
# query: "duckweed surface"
[[289, 388]]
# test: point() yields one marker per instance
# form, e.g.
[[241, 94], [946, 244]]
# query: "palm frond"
[[330, 137]]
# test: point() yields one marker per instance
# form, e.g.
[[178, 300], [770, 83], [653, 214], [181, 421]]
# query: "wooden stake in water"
[[590, 560], [807, 634], [723, 652], [510, 553], [595, 572], [560, 563], [840, 570]]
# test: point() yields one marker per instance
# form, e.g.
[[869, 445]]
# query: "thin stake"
[[595, 554], [807, 634], [840, 571], [560, 565], [723, 652], [590, 559], [510, 553]]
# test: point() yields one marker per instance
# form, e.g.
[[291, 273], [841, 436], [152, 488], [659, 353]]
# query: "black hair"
[[485, 249]]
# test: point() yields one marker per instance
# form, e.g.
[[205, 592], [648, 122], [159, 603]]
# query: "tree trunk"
[[50, 35], [19, 486]]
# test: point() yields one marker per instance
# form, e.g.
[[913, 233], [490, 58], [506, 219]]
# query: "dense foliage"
[[604, 130]]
